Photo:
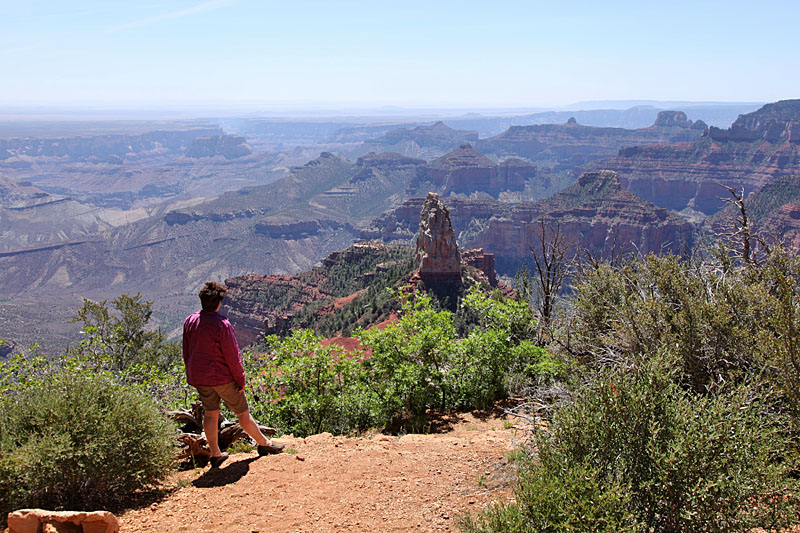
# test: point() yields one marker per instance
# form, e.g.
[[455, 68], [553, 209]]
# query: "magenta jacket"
[[210, 351]]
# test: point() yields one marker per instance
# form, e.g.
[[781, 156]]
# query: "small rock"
[[299, 457]]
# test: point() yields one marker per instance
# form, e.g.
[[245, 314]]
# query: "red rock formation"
[[437, 252], [463, 170], [597, 214], [252, 316], [784, 225], [266, 304], [512, 174], [756, 149], [482, 261], [773, 213]]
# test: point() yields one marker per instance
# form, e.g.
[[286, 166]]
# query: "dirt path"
[[325, 483]]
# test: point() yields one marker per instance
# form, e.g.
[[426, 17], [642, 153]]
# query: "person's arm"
[[185, 343], [230, 351]]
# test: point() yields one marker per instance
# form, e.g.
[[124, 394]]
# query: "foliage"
[[419, 363], [77, 439], [306, 388], [410, 360], [707, 314], [402, 371], [779, 334], [577, 501], [22, 371], [498, 356], [634, 451], [724, 322], [117, 338], [84, 431]]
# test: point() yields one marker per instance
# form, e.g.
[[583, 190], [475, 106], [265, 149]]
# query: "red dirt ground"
[[325, 483]]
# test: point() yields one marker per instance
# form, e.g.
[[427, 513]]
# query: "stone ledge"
[[42, 521]]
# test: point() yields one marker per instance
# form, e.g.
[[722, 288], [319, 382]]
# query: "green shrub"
[[306, 388], [410, 362], [77, 439], [118, 337], [406, 369], [705, 313], [579, 500], [497, 357], [633, 449]]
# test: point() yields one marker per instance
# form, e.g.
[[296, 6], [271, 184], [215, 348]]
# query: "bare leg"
[[250, 426], [211, 427]]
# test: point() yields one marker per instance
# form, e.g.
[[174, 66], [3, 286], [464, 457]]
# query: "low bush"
[[305, 388], [635, 451], [497, 356], [402, 371], [410, 362], [77, 439]]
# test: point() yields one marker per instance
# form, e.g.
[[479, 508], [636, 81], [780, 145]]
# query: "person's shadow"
[[218, 477]]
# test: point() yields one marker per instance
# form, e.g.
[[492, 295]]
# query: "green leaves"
[[399, 373], [118, 337], [634, 451], [306, 388], [78, 439]]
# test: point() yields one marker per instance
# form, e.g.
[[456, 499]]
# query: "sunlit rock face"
[[437, 252], [596, 214], [758, 148]]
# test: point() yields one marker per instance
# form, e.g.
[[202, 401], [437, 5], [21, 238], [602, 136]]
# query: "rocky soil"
[[324, 483]]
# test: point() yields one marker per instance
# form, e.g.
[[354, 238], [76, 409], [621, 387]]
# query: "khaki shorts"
[[229, 393]]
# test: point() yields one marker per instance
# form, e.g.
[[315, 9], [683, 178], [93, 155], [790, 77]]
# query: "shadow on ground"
[[219, 477]]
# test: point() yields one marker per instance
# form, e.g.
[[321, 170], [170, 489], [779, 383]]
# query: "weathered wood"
[[195, 451]]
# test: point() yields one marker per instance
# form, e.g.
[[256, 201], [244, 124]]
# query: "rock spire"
[[437, 252]]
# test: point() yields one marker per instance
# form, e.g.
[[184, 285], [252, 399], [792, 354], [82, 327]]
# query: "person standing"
[[214, 367]]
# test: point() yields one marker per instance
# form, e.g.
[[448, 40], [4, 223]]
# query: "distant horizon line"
[[35, 110]]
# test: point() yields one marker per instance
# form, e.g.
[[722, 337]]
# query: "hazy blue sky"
[[440, 53]]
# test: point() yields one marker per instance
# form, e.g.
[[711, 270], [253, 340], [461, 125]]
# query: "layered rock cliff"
[[756, 149], [565, 146], [596, 214], [421, 141], [773, 214], [466, 170], [113, 148]]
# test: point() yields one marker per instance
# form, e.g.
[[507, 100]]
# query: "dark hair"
[[212, 294]]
